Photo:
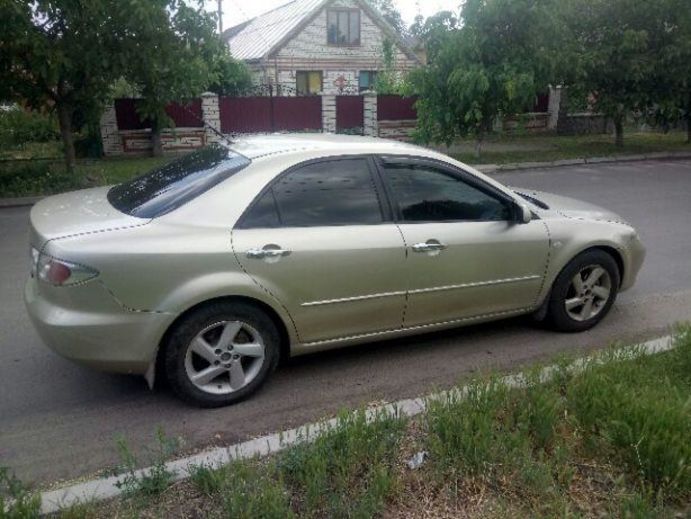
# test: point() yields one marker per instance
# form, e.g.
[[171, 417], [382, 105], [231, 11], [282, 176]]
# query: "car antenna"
[[205, 124]]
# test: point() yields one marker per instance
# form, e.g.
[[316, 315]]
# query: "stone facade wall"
[[173, 140], [211, 114], [397, 130], [531, 122], [340, 65], [329, 114], [110, 136], [583, 123]]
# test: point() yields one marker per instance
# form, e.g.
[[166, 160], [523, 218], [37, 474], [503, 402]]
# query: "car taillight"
[[60, 272]]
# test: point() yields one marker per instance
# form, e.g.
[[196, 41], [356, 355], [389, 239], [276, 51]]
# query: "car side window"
[[263, 213], [324, 193], [428, 194]]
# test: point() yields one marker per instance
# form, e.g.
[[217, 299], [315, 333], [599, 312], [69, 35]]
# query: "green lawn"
[[41, 177], [610, 439], [507, 149]]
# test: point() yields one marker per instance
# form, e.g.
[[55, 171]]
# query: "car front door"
[[320, 239], [467, 255]]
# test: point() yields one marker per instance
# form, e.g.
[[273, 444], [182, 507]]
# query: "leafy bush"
[[19, 126], [34, 177]]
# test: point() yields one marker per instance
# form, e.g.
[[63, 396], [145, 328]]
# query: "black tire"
[[191, 325], [558, 317]]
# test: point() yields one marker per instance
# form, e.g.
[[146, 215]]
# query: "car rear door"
[[467, 256], [321, 240]]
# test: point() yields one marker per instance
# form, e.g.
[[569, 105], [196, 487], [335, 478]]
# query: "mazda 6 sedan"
[[212, 267]]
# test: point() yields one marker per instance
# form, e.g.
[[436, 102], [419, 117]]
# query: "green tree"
[[388, 11], [671, 81], [171, 51], [490, 63], [231, 77], [55, 54], [616, 48]]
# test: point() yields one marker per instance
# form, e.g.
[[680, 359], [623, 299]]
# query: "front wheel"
[[221, 353], [584, 291]]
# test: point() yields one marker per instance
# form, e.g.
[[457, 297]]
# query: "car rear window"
[[166, 188]]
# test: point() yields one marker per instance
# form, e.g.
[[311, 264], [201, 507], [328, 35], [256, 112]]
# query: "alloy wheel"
[[224, 357], [588, 293]]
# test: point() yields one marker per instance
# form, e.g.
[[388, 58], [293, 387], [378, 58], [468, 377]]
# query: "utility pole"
[[220, 18]]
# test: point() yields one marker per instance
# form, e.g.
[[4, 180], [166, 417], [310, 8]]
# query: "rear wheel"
[[584, 291], [221, 353]]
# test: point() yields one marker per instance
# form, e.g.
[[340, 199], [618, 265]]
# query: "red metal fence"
[[541, 103], [395, 108], [350, 113], [187, 115], [266, 114]]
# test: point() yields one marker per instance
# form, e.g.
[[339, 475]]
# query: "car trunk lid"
[[77, 213]]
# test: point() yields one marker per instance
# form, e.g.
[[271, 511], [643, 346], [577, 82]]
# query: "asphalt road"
[[58, 420]]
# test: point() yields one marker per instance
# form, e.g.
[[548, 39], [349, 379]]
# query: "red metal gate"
[[268, 114], [349, 114]]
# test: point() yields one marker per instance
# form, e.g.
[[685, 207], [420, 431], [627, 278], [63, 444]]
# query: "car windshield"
[[168, 187]]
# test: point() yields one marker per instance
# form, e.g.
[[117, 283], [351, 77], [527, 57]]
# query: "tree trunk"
[[478, 145], [688, 120], [65, 122], [619, 131], [156, 144]]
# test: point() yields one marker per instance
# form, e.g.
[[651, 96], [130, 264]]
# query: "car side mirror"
[[523, 213]]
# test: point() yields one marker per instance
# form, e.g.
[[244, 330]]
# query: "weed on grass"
[[16, 502], [157, 478], [346, 472], [618, 428]]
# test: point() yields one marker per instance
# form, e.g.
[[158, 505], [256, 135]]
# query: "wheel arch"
[[156, 368], [616, 255]]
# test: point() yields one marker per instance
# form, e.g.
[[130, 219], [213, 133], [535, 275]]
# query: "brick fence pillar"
[[370, 125], [554, 106], [328, 113], [110, 136], [211, 113]]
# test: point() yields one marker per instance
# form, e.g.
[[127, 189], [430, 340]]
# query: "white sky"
[[237, 11]]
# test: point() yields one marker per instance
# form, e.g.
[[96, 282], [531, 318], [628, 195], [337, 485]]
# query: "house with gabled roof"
[[310, 47]]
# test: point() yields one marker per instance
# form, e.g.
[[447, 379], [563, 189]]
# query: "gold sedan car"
[[212, 267]]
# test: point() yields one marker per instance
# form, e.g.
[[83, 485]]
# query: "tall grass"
[[626, 413]]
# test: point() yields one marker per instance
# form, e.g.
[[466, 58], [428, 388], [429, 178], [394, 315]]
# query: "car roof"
[[256, 146]]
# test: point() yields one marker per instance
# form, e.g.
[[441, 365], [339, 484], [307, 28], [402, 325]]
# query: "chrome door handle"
[[429, 245], [266, 253]]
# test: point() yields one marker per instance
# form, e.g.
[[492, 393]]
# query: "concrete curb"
[[101, 489], [484, 168], [500, 168], [20, 201]]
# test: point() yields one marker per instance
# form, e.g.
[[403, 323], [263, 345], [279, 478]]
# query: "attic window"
[[343, 26]]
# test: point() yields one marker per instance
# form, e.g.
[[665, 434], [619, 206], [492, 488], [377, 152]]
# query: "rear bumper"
[[100, 333]]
